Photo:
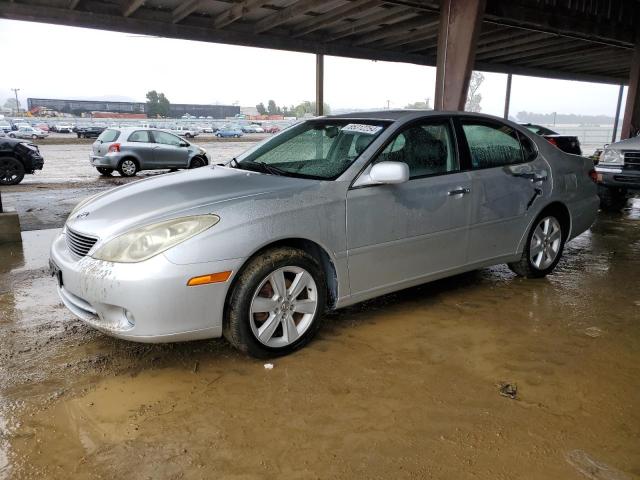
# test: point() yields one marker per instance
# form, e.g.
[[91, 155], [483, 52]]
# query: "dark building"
[[78, 107]]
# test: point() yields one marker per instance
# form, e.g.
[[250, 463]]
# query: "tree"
[[261, 109], [308, 107], [426, 105], [12, 104], [157, 104], [474, 97], [273, 109]]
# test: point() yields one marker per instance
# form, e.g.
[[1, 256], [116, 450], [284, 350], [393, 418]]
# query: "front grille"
[[632, 160], [78, 243]]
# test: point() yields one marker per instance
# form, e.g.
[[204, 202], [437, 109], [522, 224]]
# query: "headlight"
[[612, 156], [145, 242]]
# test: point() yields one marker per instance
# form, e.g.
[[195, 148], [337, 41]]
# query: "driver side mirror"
[[184, 144], [389, 173]]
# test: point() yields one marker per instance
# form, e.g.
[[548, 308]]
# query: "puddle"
[[404, 386]]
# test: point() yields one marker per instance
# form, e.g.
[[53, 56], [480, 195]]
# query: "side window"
[[492, 145], [166, 138], [140, 136], [426, 149], [528, 148]]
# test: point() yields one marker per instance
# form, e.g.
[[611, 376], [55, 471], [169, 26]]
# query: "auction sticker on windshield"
[[361, 128]]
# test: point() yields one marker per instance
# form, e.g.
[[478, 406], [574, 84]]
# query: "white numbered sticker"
[[361, 128]]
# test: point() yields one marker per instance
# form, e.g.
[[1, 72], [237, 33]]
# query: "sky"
[[68, 62]]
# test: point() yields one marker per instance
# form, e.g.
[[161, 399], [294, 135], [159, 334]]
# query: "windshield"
[[321, 149]]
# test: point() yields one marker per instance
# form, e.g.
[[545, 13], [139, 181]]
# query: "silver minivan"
[[131, 149]]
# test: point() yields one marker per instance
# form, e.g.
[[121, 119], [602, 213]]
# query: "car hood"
[[628, 144], [193, 192]]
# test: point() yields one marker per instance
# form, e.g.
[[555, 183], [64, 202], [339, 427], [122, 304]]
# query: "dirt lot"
[[406, 386]]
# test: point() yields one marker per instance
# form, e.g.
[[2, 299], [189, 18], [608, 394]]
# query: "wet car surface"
[[404, 386]]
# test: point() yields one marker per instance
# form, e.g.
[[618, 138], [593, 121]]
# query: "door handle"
[[459, 191]]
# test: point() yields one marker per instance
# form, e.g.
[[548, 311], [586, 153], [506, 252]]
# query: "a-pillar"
[[319, 84], [631, 119], [460, 23]]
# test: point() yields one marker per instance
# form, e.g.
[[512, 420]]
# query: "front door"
[[401, 234], [170, 151]]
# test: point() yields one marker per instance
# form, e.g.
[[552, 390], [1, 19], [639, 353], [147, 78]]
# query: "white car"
[[187, 132], [28, 132], [64, 128]]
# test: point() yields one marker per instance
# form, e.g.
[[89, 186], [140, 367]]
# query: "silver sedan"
[[329, 212]]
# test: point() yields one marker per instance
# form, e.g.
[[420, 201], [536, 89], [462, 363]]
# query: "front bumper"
[[144, 302], [618, 177]]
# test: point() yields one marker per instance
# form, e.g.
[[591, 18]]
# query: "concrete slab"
[[9, 226]]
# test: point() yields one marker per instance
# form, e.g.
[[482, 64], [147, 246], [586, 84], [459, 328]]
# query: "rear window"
[[109, 135]]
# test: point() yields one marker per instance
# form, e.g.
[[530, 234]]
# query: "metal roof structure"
[[589, 40]]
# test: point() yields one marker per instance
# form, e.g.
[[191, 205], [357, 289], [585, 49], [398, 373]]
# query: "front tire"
[[276, 303], [104, 171], [545, 244], [127, 167], [197, 162], [11, 171], [612, 199]]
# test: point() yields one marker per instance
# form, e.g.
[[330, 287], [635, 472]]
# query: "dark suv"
[[18, 157]]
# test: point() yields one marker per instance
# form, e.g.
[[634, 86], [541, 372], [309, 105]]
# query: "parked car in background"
[[42, 126], [253, 128], [618, 173], [18, 158], [271, 128], [330, 212], [229, 131], [89, 131], [131, 149], [18, 124], [566, 143], [5, 127], [63, 128], [183, 131], [28, 132]]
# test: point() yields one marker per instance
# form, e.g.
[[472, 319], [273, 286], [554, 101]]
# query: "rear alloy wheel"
[[34, 137], [105, 171], [11, 171], [128, 167], [276, 304], [544, 248], [197, 162]]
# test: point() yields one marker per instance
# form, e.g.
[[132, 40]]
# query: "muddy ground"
[[405, 386]]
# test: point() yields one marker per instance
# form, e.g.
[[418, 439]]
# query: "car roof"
[[395, 115]]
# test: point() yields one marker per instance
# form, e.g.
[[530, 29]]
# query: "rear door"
[[507, 178], [141, 145], [169, 150], [398, 234]]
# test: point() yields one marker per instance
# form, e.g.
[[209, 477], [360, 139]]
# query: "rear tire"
[[544, 247], [127, 167], [266, 319], [612, 199], [11, 171], [105, 171]]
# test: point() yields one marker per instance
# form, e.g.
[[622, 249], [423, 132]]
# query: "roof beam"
[[236, 12], [333, 16], [185, 9], [523, 51], [504, 45], [423, 37], [300, 7], [381, 17], [73, 4], [398, 29], [131, 7]]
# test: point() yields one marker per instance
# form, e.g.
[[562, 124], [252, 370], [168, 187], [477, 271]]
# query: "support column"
[[507, 97], [615, 120], [460, 22], [319, 84], [631, 120]]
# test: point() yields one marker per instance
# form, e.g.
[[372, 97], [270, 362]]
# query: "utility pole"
[[15, 91]]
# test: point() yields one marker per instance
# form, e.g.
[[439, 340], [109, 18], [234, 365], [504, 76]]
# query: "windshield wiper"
[[262, 167]]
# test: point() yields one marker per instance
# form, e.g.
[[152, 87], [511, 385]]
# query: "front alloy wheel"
[[11, 171], [276, 303]]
